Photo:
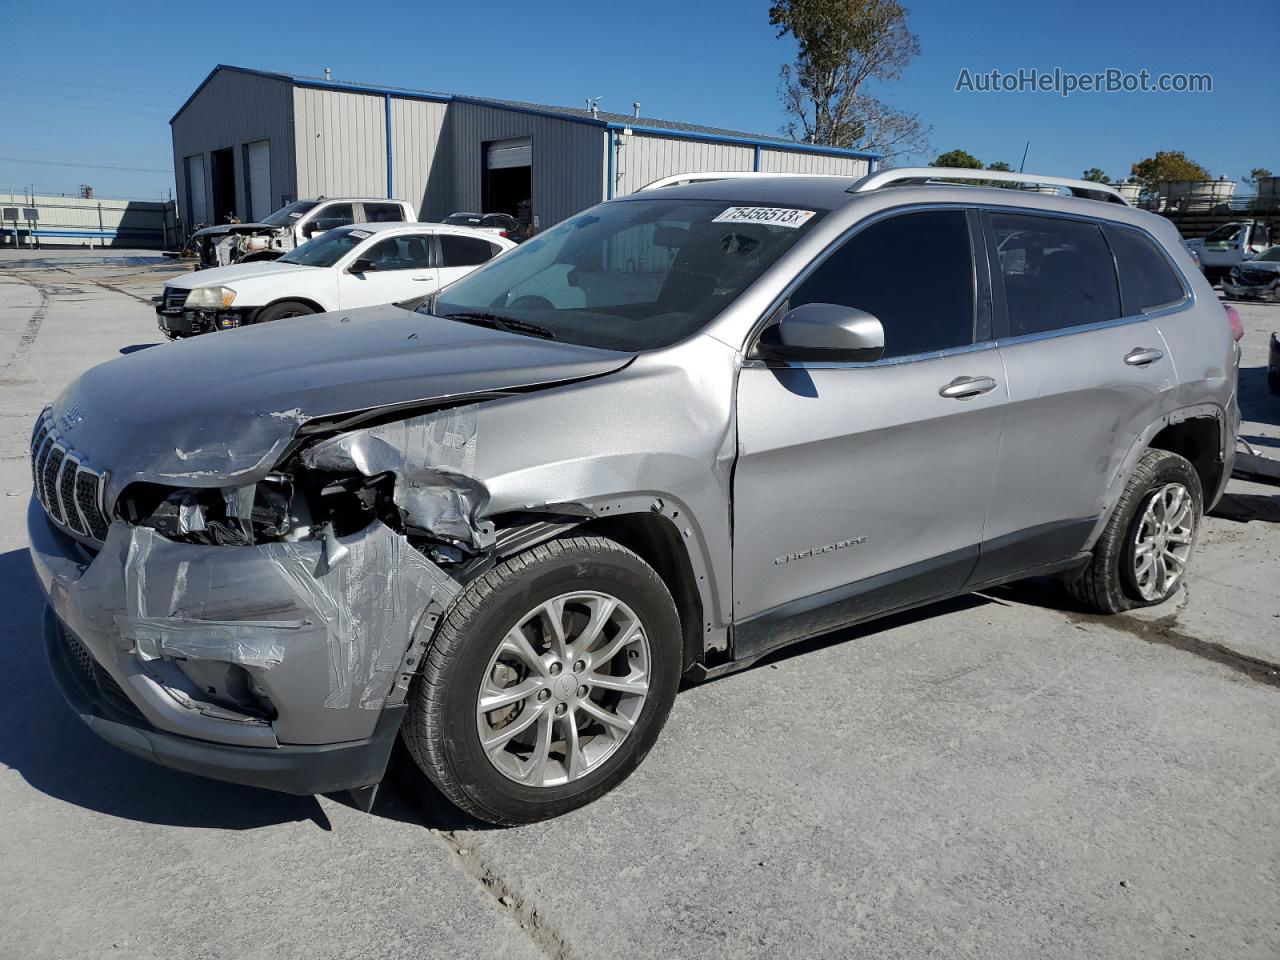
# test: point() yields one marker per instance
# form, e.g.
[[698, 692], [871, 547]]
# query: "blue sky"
[[88, 87]]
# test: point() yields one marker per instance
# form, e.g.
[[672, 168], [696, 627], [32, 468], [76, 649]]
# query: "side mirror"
[[824, 331], [362, 266]]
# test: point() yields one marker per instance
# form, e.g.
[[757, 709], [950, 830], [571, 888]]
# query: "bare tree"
[[845, 46]]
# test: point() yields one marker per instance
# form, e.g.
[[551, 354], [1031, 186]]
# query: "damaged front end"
[[292, 611], [240, 242]]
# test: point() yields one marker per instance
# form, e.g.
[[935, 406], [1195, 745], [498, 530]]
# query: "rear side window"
[[1146, 279], [383, 213], [1057, 273], [914, 272], [458, 251]]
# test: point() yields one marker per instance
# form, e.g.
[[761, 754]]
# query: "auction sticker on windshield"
[[361, 234], [772, 216]]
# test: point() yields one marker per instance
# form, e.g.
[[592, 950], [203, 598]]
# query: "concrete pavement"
[[991, 777]]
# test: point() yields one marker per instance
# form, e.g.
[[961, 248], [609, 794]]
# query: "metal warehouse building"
[[249, 141]]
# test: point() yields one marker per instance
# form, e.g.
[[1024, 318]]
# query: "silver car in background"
[[663, 439]]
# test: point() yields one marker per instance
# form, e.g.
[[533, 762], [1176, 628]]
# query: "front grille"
[[1258, 277], [69, 489], [174, 299], [95, 677]]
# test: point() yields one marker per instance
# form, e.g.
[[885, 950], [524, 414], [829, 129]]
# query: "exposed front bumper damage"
[[280, 665], [1267, 292], [190, 323]]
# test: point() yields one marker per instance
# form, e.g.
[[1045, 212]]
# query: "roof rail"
[[1086, 189], [707, 175]]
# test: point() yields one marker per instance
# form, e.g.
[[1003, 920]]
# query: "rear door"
[[402, 269], [460, 254], [1086, 376], [862, 487]]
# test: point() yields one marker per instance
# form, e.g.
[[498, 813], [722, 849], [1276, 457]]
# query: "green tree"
[[1258, 173], [1000, 165], [844, 47], [1096, 175], [1168, 165], [957, 158]]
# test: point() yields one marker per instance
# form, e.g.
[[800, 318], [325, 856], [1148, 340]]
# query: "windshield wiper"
[[498, 322]]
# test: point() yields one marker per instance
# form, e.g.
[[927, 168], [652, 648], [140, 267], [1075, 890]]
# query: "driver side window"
[[914, 272], [401, 253], [334, 215]]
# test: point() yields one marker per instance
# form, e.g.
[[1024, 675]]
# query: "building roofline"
[[764, 143]]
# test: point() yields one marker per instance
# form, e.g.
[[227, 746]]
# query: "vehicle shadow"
[[135, 347], [1257, 402]]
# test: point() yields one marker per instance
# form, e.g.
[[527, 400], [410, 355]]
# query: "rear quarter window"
[[458, 251], [1147, 280]]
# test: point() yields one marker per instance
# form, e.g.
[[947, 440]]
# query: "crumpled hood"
[[225, 228], [219, 410]]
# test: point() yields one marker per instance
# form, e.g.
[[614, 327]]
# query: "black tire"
[[1106, 584], [440, 728], [282, 310], [1273, 382]]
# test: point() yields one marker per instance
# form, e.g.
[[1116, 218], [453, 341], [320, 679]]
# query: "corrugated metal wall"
[[71, 221], [643, 158], [568, 159], [234, 109], [792, 161], [416, 144], [342, 143]]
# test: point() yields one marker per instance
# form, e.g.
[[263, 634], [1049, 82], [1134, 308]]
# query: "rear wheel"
[[283, 310], [548, 681], [1142, 556]]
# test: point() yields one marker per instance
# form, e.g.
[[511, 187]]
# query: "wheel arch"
[[1203, 430], [306, 301]]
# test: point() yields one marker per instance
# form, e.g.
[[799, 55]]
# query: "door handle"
[[966, 388], [420, 278], [1142, 356]]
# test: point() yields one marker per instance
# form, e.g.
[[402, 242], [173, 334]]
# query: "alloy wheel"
[[564, 689], [1162, 541]]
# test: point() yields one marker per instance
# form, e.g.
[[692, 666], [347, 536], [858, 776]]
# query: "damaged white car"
[[347, 267], [663, 439]]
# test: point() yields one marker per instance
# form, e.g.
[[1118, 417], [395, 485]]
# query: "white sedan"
[[356, 266]]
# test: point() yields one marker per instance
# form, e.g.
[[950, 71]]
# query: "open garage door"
[[258, 178], [196, 210], [508, 177]]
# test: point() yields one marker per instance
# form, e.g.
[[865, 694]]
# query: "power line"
[[75, 83], [95, 166], [77, 96], [159, 111]]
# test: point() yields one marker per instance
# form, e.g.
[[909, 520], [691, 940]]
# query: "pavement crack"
[[1164, 631], [549, 941]]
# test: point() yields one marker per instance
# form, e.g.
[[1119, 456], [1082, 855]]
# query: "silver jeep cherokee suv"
[[672, 434]]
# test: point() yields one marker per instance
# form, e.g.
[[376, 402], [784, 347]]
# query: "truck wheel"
[[282, 310], [1141, 558], [547, 682]]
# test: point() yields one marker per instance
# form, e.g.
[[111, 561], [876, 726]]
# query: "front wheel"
[[282, 311], [548, 681], [1142, 556]]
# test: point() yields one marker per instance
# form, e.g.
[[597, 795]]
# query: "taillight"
[[504, 234], [1237, 328]]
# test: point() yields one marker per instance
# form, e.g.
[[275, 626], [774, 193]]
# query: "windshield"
[[288, 214], [631, 274], [1271, 255], [326, 249], [1223, 233]]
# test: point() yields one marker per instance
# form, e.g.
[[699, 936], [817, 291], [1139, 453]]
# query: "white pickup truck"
[[1229, 245]]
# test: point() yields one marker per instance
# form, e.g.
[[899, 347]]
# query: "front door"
[[862, 488], [400, 269]]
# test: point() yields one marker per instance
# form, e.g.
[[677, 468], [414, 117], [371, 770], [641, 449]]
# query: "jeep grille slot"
[[69, 489]]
